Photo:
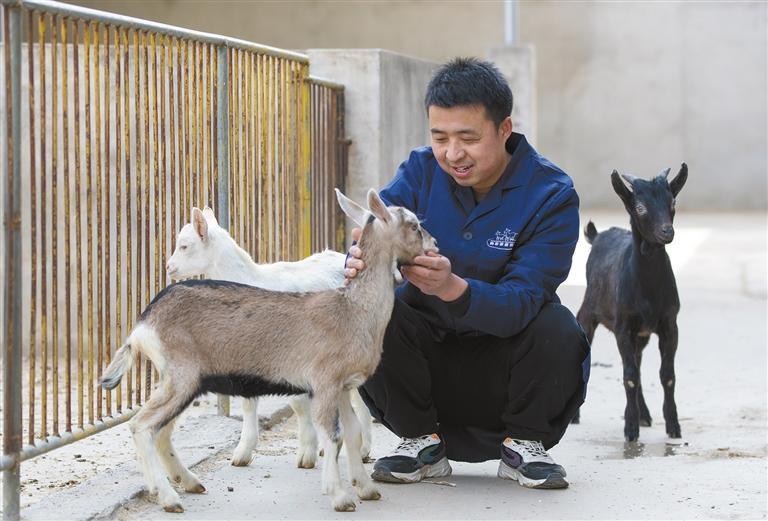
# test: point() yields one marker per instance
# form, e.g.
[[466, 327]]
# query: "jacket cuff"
[[459, 307]]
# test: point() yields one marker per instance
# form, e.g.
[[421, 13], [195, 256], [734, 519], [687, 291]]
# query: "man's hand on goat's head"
[[354, 262], [432, 274]]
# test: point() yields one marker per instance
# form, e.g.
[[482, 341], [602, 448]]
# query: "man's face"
[[468, 145]]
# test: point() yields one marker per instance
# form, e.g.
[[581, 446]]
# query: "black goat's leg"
[[668, 348], [645, 414], [626, 344], [588, 323]]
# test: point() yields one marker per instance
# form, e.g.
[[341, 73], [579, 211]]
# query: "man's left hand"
[[432, 274]]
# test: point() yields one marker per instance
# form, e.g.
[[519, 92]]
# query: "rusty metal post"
[[12, 288], [222, 150]]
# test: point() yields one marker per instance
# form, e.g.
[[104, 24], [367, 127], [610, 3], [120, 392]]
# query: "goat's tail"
[[590, 232], [121, 363]]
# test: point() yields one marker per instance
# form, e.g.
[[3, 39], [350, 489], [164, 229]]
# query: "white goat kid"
[[205, 248], [236, 339]]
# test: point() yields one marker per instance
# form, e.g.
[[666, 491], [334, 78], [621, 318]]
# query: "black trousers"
[[475, 390]]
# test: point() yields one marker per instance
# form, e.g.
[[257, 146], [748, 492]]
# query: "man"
[[479, 358]]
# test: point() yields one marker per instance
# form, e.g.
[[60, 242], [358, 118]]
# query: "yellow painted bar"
[[305, 243]]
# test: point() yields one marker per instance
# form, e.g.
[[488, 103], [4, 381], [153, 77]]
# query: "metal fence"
[[114, 129]]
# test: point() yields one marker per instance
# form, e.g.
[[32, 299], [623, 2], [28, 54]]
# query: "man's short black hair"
[[469, 81]]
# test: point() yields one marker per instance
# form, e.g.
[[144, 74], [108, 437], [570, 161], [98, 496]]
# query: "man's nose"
[[454, 152]]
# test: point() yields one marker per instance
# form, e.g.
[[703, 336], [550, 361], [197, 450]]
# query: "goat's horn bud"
[[664, 173]]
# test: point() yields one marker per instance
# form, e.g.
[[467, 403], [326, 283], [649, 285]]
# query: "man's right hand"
[[354, 261]]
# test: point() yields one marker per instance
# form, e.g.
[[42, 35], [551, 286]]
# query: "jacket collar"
[[516, 174]]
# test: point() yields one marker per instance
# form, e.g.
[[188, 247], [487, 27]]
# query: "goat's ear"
[[209, 215], [619, 187], [377, 206], [353, 210], [677, 183], [200, 224]]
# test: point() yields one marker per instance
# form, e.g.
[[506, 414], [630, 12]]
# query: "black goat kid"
[[631, 290]]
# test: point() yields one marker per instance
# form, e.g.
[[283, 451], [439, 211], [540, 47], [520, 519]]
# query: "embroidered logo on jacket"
[[504, 240]]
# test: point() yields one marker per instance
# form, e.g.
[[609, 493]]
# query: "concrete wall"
[[643, 86], [634, 86], [385, 117]]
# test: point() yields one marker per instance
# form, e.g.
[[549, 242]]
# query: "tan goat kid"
[[235, 339]]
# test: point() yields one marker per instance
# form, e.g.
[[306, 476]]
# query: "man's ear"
[[353, 210], [377, 206], [506, 127], [199, 224]]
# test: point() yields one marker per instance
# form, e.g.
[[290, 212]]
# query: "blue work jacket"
[[514, 247]]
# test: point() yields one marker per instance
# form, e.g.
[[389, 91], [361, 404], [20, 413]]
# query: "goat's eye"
[[182, 248], [640, 209], [414, 227]]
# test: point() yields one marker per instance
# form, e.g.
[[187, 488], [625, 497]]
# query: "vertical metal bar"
[[304, 165], [222, 160], [237, 225], [214, 115], [185, 115], [12, 429], [206, 113], [55, 223], [246, 210], [173, 122], [107, 198], [137, 197], [122, 36], [263, 183], [33, 232], [43, 229], [100, 233], [163, 145], [89, 219], [78, 221], [143, 361], [66, 223], [120, 150], [199, 115]]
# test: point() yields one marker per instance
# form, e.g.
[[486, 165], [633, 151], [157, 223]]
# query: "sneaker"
[[529, 464], [413, 460]]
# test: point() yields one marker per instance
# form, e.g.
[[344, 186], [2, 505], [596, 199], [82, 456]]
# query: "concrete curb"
[[200, 440]]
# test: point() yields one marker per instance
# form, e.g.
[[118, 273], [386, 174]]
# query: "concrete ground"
[[717, 471]]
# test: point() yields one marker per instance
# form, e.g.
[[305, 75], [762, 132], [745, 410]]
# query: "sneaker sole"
[[553, 481], [440, 469]]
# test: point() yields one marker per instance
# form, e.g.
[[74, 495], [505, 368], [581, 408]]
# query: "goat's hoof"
[[674, 432], [305, 461], [344, 503], [368, 493], [174, 508], [368, 459], [645, 422], [197, 488], [576, 420], [241, 462]]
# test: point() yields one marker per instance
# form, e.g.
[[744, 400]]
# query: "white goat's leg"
[[365, 419], [176, 470], [352, 439], [306, 456], [166, 403], [325, 408], [154, 473], [249, 437]]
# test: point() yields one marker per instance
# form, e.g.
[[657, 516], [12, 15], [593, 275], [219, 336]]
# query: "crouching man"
[[480, 359]]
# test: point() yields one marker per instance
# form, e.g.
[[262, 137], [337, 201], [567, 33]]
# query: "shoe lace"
[[409, 444], [535, 448]]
